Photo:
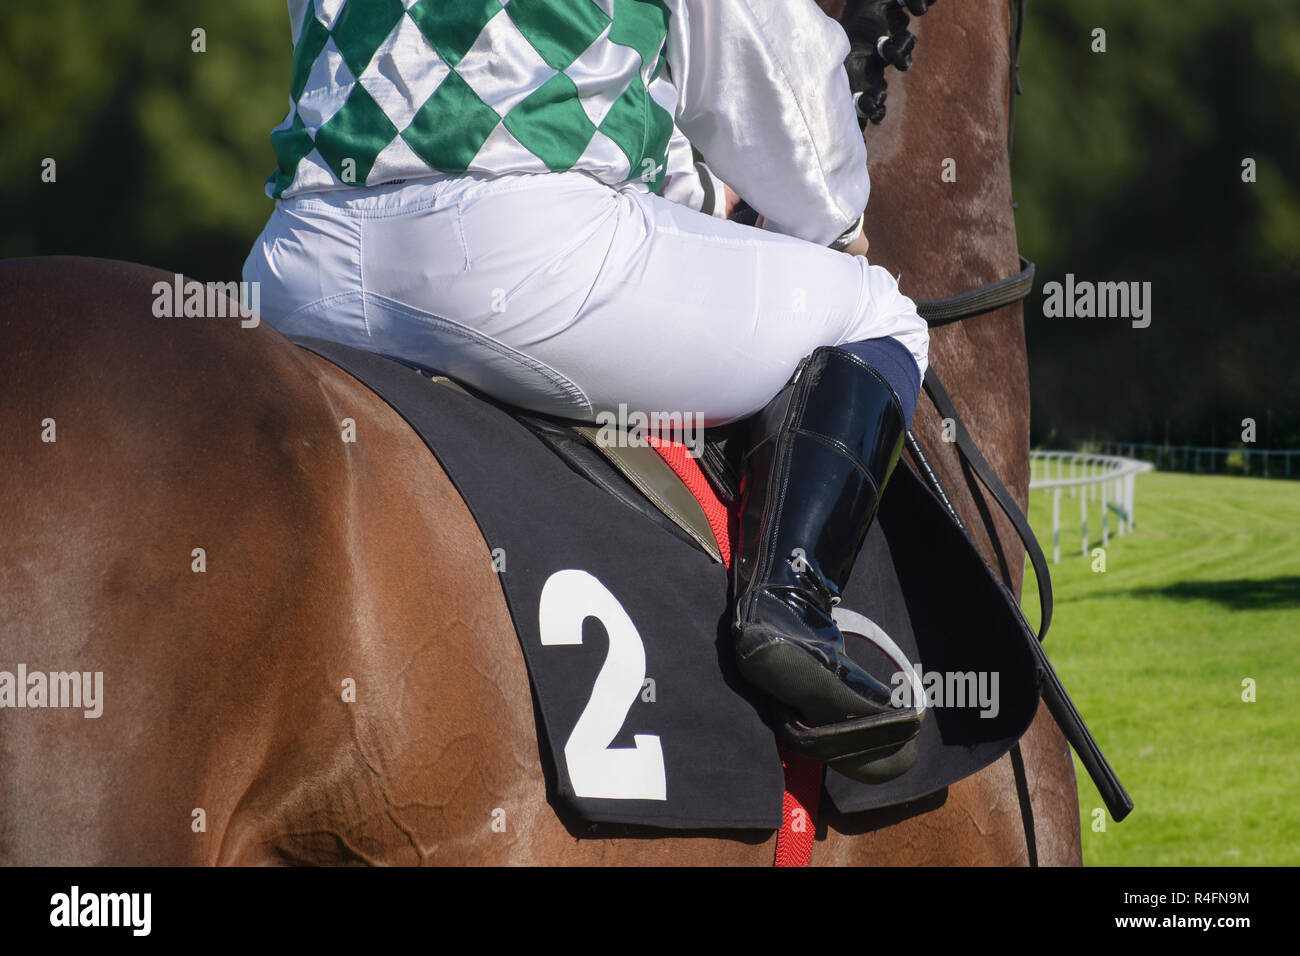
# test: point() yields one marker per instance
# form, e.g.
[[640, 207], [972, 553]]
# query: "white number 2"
[[597, 770]]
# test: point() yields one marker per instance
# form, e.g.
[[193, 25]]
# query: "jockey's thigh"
[[559, 293]]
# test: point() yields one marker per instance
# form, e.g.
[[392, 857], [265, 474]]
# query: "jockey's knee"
[[884, 311], [916, 339]]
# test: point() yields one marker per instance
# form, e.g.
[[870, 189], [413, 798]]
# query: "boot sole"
[[791, 676]]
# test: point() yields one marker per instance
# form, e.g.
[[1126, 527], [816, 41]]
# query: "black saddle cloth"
[[691, 744]]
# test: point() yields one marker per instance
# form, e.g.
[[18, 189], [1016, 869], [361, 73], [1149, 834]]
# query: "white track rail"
[[1107, 479]]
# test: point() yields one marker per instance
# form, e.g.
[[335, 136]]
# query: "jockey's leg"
[[817, 461], [815, 468], [896, 365], [558, 293]]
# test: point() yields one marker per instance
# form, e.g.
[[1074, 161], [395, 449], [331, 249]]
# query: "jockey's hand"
[[733, 199], [858, 247]]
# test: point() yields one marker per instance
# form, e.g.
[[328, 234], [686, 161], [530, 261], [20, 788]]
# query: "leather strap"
[[986, 298], [1018, 8], [967, 448], [1053, 692]]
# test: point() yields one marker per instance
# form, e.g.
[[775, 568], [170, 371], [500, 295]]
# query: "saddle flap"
[[646, 469], [651, 601], [921, 580]]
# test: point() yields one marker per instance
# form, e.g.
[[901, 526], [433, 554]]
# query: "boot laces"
[[810, 580]]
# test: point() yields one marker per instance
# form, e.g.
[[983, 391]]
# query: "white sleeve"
[[690, 183], [763, 94]]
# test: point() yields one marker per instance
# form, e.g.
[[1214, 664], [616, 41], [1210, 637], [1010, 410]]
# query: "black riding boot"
[[813, 475]]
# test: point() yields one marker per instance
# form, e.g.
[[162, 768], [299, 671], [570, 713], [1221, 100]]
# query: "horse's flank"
[[340, 682]]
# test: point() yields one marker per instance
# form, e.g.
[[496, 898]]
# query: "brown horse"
[[305, 653]]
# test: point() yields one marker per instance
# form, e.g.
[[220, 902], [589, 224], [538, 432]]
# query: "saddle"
[[698, 494], [630, 537]]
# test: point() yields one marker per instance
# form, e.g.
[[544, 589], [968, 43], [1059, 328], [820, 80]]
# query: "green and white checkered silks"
[[398, 89]]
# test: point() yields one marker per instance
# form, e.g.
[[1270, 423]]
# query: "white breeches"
[[558, 293]]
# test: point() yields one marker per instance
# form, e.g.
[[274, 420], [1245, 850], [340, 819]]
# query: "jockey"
[[505, 191]]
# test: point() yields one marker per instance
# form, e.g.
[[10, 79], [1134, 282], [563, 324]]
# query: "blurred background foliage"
[[1127, 166], [162, 152]]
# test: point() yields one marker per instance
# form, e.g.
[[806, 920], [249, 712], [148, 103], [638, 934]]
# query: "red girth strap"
[[803, 775], [799, 806]]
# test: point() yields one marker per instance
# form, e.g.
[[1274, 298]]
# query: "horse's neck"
[[940, 210], [940, 216]]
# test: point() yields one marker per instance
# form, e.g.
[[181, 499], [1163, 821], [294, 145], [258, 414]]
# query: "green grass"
[[1204, 593]]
